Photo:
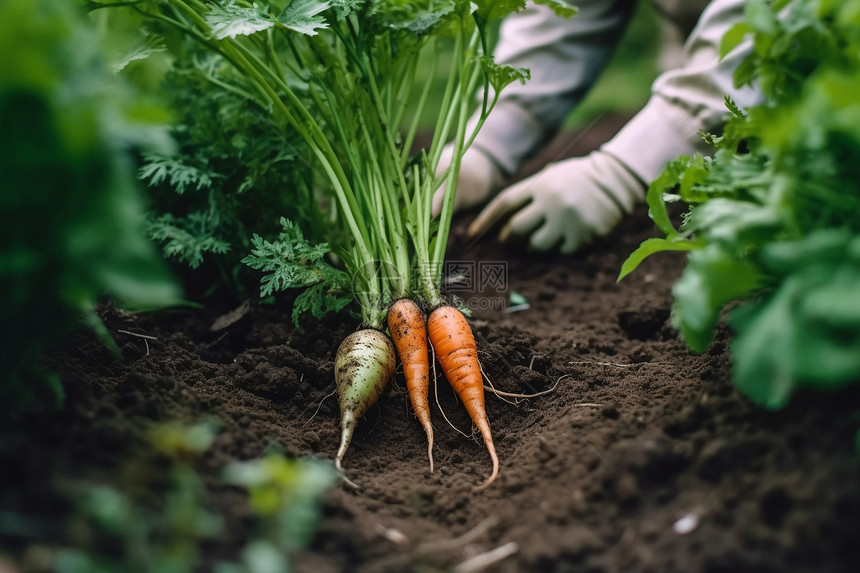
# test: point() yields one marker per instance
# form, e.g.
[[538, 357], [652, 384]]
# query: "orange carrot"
[[408, 327], [455, 348]]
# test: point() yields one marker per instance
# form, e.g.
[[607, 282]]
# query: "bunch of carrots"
[[342, 75], [366, 361]]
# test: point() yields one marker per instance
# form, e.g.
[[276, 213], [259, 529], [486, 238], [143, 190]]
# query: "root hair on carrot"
[[518, 397]]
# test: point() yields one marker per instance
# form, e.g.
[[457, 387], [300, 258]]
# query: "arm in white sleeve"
[[569, 202], [686, 100], [565, 57]]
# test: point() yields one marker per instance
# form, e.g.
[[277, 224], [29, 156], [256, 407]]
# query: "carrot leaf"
[[291, 262], [228, 20], [303, 16]]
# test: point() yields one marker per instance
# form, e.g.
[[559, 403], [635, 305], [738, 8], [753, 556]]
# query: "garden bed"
[[642, 458]]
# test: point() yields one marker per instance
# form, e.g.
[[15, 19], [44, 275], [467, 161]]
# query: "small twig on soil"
[[319, 406], [146, 338], [579, 405], [488, 559], [217, 340], [618, 365], [436, 549], [393, 535], [232, 317], [517, 308], [458, 542]]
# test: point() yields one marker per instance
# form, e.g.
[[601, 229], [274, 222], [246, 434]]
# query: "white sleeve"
[[688, 99], [565, 56]]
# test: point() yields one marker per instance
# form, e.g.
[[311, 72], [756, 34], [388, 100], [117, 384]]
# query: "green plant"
[[341, 75], [229, 178], [292, 262], [156, 519], [72, 229], [285, 497], [774, 216], [114, 528]]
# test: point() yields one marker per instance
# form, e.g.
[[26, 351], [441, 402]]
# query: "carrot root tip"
[[430, 448], [348, 482]]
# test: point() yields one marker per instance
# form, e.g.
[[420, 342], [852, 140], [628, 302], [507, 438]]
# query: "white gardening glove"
[[567, 203], [479, 177]]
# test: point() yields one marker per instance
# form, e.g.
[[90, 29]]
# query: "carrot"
[[455, 348], [408, 327], [363, 365]]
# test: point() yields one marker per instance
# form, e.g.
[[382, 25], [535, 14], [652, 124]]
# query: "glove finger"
[[545, 238], [501, 207], [438, 198], [527, 220], [576, 234]]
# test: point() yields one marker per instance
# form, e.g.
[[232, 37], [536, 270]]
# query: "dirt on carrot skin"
[[643, 458]]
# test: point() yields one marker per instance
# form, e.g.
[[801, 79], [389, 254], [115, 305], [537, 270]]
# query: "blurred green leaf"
[[712, 278], [285, 494], [73, 227], [179, 440], [515, 299], [775, 214], [648, 248], [264, 557]]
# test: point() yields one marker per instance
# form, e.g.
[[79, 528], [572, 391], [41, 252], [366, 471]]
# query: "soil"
[[643, 457]]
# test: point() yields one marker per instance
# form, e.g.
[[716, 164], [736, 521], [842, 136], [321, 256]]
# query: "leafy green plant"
[[285, 497], [341, 76], [774, 216], [156, 518], [236, 171], [72, 229], [291, 261], [114, 528]]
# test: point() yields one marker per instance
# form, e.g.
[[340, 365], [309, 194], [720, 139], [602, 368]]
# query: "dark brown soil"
[[638, 434]]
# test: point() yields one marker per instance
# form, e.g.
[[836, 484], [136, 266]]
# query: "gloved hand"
[[479, 177], [569, 202]]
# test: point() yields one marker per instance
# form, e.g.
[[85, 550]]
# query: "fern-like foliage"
[[177, 171], [187, 239], [292, 262], [234, 172]]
